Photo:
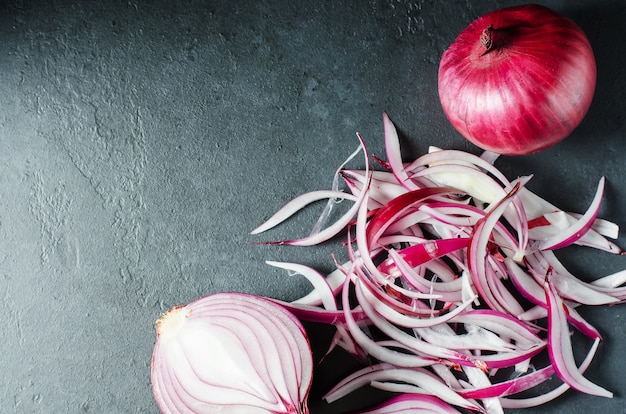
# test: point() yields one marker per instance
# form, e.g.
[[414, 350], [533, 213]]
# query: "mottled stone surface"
[[141, 141]]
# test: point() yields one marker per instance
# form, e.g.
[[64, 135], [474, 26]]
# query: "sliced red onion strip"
[[400, 319], [576, 231], [458, 157], [412, 281], [418, 377], [321, 221], [419, 254], [409, 224], [354, 381], [398, 387], [448, 273], [526, 284], [507, 359], [319, 315], [530, 288], [556, 222], [397, 208], [519, 403], [380, 352], [374, 279], [380, 183], [490, 156], [404, 315], [502, 324], [363, 246], [568, 285], [394, 296], [412, 403], [509, 387], [538, 207], [460, 181], [580, 323], [497, 277], [394, 240], [338, 225], [465, 178], [448, 374], [466, 216], [476, 338], [458, 215], [334, 280], [443, 291], [560, 346], [613, 285], [297, 204], [394, 157], [477, 256], [385, 178], [611, 281], [319, 282], [477, 377], [324, 291], [381, 190], [573, 317], [601, 226], [326, 233], [417, 345]]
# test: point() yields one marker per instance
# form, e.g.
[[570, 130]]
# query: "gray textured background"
[[141, 141]]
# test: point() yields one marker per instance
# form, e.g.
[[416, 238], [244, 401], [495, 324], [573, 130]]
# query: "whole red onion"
[[518, 80]]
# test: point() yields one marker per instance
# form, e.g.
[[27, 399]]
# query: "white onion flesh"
[[231, 353]]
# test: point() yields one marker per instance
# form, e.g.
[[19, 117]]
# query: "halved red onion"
[[231, 353]]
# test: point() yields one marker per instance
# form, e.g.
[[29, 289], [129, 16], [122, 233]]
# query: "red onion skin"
[[523, 87]]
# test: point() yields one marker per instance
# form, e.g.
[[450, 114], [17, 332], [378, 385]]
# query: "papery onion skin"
[[525, 86], [231, 353]]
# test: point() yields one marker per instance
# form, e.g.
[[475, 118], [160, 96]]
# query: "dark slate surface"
[[141, 141]]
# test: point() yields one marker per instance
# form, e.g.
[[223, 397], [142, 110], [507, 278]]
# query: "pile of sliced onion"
[[452, 265], [231, 353]]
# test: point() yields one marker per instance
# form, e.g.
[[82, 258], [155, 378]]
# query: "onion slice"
[[413, 403], [298, 204], [560, 346], [577, 230]]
